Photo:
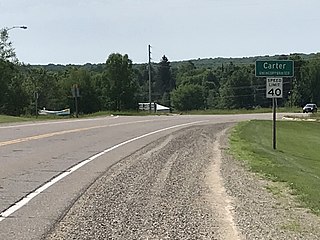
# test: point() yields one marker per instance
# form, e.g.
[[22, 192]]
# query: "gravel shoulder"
[[183, 186]]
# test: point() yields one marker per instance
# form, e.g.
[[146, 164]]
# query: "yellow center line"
[[47, 135]]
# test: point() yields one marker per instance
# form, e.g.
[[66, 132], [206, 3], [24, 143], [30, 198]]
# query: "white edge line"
[[16, 206], [31, 124]]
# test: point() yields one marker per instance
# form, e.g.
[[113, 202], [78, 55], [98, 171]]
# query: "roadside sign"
[[274, 71], [274, 87], [276, 68]]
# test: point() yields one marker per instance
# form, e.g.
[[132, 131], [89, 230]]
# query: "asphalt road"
[[47, 166]]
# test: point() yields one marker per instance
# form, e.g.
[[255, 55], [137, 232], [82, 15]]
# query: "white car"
[[310, 107]]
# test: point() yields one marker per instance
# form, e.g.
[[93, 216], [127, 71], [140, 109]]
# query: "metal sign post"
[[36, 97], [274, 89], [75, 93], [274, 122]]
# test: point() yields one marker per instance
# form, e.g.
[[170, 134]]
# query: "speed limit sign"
[[274, 87]]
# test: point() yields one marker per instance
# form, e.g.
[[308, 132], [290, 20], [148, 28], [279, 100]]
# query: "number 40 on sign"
[[274, 87]]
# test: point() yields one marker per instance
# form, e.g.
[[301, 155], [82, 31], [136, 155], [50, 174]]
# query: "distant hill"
[[59, 67], [199, 63], [216, 62]]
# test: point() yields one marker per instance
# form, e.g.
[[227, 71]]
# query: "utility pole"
[[149, 68]]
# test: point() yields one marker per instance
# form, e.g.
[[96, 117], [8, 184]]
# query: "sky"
[[88, 31]]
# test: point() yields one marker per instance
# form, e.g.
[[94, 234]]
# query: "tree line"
[[120, 85]]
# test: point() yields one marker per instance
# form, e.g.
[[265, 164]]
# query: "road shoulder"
[[265, 209]]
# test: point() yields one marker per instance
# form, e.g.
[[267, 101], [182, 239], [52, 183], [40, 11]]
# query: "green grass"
[[240, 111], [9, 119], [296, 160]]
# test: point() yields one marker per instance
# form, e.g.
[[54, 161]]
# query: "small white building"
[[155, 107]]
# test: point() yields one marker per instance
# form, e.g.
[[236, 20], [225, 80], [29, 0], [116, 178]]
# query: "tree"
[[6, 72], [141, 77], [88, 101], [16, 95], [188, 97], [298, 89], [164, 81], [184, 70], [312, 72], [237, 91], [211, 86], [7, 52], [122, 88], [46, 84]]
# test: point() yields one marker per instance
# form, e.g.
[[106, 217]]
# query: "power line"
[[251, 86]]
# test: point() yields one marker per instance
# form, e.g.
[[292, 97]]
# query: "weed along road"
[[153, 177]]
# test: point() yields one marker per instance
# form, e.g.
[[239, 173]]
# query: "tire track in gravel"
[[221, 202], [165, 190]]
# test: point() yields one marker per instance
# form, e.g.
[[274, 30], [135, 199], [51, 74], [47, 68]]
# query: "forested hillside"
[[118, 84]]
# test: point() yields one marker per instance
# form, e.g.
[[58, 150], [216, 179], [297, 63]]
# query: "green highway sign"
[[276, 68]]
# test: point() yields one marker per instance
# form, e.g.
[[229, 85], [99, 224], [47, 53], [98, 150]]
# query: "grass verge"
[[295, 162], [241, 111], [10, 119]]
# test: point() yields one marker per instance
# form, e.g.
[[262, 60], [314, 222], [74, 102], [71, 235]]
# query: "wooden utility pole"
[[149, 68]]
